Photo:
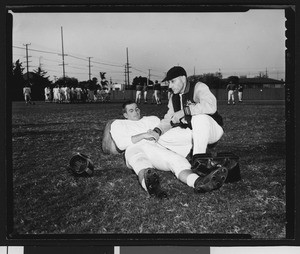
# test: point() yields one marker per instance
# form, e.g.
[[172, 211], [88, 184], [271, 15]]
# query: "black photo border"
[[292, 123]]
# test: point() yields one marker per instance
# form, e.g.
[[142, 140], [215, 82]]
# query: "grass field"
[[49, 200]]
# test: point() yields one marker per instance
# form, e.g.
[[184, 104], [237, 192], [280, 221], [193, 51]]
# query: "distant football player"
[[27, 94], [47, 91], [240, 92], [157, 90], [138, 94], [231, 88]]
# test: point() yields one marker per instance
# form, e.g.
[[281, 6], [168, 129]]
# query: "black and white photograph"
[[164, 123]]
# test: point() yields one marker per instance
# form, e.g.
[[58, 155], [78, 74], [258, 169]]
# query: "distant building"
[[261, 82]]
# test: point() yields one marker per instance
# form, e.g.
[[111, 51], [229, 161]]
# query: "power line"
[[36, 50], [53, 70], [74, 67], [139, 70], [158, 76], [82, 73], [274, 71], [113, 65], [51, 60], [69, 55], [77, 57]]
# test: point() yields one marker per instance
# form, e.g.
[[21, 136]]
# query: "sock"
[[190, 180]]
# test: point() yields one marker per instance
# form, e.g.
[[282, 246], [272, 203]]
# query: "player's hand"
[[148, 136], [177, 116], [153, 135]]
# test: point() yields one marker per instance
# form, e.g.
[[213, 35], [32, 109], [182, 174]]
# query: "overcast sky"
[[243, 43]]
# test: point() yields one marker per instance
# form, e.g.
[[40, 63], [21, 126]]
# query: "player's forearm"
[[165, 123], [138, 137]]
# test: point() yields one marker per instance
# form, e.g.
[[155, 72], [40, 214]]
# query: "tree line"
[[38, 80]]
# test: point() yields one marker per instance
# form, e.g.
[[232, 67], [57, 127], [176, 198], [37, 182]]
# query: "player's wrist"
[[158, 131]]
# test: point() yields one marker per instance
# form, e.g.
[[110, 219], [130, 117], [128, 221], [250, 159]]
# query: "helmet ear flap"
[[81, 165]]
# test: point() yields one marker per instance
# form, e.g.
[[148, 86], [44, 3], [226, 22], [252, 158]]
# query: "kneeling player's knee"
[[200, 120]]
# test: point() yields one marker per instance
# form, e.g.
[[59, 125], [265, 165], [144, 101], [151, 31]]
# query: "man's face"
[[177, 84], [132, 112]]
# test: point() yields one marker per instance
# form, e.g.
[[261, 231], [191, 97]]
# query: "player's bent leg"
[[205, 131], [201, 126], [163, 159], [142, 166], [178, 165], [136, 159], [166, 160], [182, 144], [216, 132]]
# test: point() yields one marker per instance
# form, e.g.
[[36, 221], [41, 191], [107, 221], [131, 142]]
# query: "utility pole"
[[128, 66], [90, 68], [194, 71], [63, 54], [27, 62], [148, 80], [125, 77]]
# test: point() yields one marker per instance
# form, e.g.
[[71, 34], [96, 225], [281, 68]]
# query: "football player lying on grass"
[[134, 135]]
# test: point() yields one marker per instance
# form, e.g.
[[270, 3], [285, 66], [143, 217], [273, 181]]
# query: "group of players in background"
[[65, 94], [142, 91], [231, 89], [156, 96]]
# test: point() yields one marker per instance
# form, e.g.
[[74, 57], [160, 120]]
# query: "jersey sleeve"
[[153, 121], [119, 135], [206, 102]]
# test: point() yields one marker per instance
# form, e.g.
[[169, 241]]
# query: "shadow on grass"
[[255, 151]]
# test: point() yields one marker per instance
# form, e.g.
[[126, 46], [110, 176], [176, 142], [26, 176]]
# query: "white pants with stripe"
[[169, 153], [149, 154]]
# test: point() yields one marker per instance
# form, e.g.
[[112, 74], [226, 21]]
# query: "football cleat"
[[153, 183], [212, 181]]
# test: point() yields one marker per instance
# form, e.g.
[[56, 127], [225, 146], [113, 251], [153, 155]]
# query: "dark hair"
[[125, 104]]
